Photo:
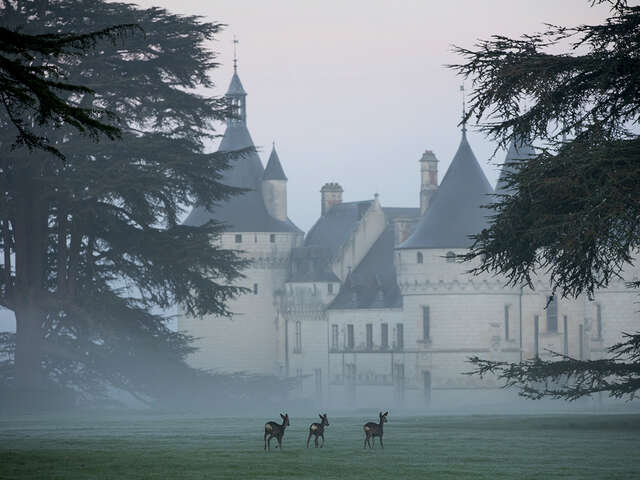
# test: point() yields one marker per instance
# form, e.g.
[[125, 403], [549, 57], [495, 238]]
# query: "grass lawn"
[[189, 447]]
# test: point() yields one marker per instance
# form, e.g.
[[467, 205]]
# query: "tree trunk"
[[30, 244]]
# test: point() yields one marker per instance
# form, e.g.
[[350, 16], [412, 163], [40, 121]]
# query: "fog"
[[341, 312]]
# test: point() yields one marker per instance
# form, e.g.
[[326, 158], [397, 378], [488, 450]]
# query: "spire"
[[464, 112], [274, 170], [235, 54], [236, 94]]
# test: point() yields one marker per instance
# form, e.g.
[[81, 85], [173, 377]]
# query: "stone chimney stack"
[[428, 179], [330, 195]]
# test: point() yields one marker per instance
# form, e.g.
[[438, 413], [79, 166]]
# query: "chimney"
[[428, 179], [330, 195]]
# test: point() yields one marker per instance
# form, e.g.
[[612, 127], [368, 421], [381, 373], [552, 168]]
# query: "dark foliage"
[[93, 246], [573, 211], [33, 89]]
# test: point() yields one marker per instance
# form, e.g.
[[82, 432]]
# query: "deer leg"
[[316, 441], [265, 440], [280, 441], [366, 437], [373, 440], [322, 441], [381, 444], [308, 439]]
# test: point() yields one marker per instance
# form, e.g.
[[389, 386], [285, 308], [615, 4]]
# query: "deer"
[[275, 430], [317, 429], [373, 430]]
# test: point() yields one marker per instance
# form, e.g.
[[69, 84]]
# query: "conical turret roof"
[[245, 212], [456, 210], [274, 170], [518, 151], [235, 87]]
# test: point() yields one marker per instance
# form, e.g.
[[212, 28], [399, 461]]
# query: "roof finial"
[[464, 111], [235, 54]]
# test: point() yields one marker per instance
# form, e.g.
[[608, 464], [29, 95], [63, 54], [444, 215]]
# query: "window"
[[384, 336], [552, 314], [298, 345], [255, 238], [255, 288], [598, 321], [272, 238], [451, 257], [369, 336], [315, 290], [506, 322], [420, 258], [350, 342], [238, 238], [426, 324], [334, 337], [330, 288], [399, 336]]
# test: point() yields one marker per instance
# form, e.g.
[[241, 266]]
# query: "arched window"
[[420, 257], [451, 257]]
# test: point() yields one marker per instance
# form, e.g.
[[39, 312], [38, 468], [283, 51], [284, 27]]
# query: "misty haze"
[[319, 240]]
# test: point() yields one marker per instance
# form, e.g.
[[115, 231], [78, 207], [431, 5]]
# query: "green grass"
[[165, 447]]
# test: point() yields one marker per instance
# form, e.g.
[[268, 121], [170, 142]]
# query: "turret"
[[330, 195], [428, 179], [274, 187]]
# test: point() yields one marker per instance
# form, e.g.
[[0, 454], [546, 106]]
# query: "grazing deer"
[[317, 429], [274, 430], [373, 430]]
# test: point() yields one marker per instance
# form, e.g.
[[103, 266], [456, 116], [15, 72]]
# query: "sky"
[[354, 92]]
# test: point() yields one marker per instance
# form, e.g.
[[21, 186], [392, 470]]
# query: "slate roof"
[[373, 284], [334, 227], [274, 170], [456, 210], [235, 87], [312, 261], [244, 212], [516, 153], [311, 264]]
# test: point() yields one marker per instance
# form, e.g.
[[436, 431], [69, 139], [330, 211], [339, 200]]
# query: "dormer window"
[[420, 258], [238, 238]]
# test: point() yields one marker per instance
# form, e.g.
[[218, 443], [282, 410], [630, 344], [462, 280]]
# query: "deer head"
[[383, 417], [325, 420], [285, 420]]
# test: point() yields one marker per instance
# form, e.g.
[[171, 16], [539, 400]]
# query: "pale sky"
[[354, 91]]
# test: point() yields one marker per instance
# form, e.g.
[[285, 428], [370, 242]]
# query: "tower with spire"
[[258, 226]]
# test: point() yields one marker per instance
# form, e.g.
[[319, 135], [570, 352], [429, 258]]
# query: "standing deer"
[[373, 430], [274, 430], [317, 429]]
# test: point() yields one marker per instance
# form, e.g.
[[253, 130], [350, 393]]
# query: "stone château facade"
[[371, 305]]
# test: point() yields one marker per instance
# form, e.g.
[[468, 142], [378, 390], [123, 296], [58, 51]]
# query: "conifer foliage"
[[573, 210], [93, 246]]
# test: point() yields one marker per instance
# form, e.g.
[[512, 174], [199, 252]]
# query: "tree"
[[573, 211], [93, 246], [29, 85]]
